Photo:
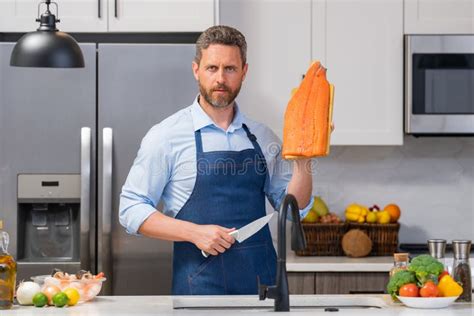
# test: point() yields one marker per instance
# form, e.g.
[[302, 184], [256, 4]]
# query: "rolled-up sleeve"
[[145, 183], [280, 172]]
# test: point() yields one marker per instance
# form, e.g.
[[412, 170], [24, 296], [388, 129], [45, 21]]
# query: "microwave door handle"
[[408, 84], [105, 251], [85, 206]]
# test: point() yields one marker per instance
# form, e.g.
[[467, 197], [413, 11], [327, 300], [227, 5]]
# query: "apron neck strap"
[[251, 137]]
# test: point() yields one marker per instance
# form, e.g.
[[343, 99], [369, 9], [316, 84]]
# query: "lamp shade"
[[52, 49]]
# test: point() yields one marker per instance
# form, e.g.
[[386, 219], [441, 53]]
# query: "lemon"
[[40, 300], [73, 296], [60, 299], [371, 217], [383, 218]]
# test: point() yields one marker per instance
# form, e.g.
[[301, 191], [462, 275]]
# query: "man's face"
[[220, 74]]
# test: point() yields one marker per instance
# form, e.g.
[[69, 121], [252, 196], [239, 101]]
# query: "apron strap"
[[198, 140], [253, 139]]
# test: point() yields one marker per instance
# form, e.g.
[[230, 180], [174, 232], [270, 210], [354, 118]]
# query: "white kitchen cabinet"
[[360, 42], [439, 16], [74, 15], [161, 15], [279, 52], [113, 15]]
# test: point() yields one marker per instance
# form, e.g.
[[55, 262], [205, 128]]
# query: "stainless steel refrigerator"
[[68, 138]]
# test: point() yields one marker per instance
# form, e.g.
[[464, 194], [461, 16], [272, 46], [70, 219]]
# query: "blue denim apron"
[[229, 191]]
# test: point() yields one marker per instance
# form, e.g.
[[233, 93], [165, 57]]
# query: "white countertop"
[[296, 263], [163, 305]]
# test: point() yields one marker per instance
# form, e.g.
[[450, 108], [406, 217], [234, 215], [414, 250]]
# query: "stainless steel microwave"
[[439, 84]]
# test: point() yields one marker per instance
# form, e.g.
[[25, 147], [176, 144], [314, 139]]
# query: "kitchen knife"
[[248, 230]]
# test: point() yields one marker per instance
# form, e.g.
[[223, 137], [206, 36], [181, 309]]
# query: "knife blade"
[[248, 230]]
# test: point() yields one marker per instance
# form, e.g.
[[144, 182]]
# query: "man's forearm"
[[301, 183], [160, 226], [213, 239]]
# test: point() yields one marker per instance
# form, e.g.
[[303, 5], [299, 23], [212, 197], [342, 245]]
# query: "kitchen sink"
[[297, 302]]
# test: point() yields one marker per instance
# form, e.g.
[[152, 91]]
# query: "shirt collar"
[[201, 119]]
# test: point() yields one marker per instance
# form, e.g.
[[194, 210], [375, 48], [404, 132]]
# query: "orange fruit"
[[394, 212]]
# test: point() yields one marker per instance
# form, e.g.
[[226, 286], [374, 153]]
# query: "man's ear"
[[195, 70], [246, 67]]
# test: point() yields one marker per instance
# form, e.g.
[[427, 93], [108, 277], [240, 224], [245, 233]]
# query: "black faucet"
[[279, 292]]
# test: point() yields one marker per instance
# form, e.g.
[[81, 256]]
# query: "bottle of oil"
[[7, 272]]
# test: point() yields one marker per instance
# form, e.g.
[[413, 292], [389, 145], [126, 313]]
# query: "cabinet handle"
[[116, 6], [99, 9], [366, 292]]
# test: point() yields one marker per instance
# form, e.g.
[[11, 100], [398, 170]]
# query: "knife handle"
[[234, 234]]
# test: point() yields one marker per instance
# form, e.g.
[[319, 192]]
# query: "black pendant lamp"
[[47, 47]]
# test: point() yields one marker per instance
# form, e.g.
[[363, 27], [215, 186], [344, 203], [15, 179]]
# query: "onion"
[[26, 291], [50, 291]]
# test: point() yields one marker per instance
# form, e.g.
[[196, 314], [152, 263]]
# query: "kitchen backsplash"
[[430, 178]]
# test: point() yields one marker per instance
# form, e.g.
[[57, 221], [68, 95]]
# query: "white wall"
[[431, 179]]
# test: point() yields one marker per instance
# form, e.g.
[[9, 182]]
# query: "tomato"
[[442, 275], [429, 290], [410, 290], [99, 275]]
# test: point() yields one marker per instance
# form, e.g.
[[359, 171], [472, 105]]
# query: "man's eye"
[[230, 69], [212, 68]]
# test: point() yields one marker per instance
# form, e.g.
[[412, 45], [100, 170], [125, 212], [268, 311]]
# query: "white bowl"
[[427, 302]]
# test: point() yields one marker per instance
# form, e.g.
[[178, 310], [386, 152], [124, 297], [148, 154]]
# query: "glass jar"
[[462, 269], [7, 272], [400, 262]]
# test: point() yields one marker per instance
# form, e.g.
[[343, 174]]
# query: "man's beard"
[[220, 101]]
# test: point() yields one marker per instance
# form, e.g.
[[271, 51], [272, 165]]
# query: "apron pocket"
[[208, 278], [244, 263]]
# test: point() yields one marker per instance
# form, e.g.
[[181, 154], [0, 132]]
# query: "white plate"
[[427, 302]]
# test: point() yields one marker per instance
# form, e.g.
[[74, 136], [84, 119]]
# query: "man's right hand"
[[212, 239]]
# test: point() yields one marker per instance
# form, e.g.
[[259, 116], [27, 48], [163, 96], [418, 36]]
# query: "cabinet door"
[[279, 51], [439, 16], [75, 15], [351, 282], [361, 44], [301, 282], [161, 15]]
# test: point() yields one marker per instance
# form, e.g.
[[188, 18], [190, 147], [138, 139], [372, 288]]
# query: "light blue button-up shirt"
[[165, 166]]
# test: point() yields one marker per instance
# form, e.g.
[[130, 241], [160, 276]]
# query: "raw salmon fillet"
[[308, 116]]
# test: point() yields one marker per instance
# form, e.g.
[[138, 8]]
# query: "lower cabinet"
[[337, 282]]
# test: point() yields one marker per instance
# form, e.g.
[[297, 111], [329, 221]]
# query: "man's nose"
[[220, 78]]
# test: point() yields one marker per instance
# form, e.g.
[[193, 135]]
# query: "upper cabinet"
[[74, 15], [278, 53], [160, 15], [113, 15], [439, 16], [361, 44]]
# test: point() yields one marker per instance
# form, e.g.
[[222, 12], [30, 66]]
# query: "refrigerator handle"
[[85, 207], [116, 8], [105, 255], [99, 9]]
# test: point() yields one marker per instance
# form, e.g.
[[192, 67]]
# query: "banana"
[[352, 217]]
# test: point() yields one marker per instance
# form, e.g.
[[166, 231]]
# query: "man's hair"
[[223, 35]]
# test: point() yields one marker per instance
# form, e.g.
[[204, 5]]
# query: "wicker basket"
[[384, 237], [322, 239]]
